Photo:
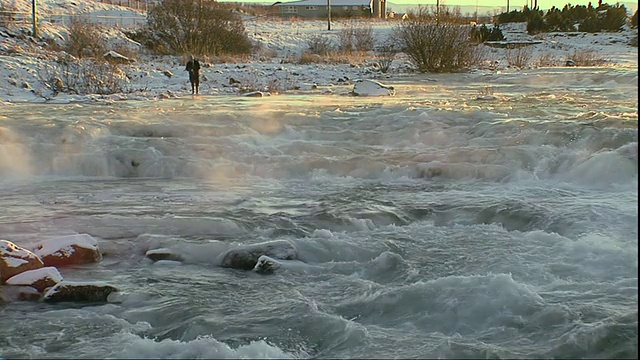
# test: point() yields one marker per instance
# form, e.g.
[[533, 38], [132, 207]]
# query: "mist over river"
[[469, 216]]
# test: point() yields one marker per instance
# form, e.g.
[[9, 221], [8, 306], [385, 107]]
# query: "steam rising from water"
[[436, 223]]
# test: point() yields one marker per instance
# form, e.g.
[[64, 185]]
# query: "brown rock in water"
[[69, 250], [15, 259], [66, 291]]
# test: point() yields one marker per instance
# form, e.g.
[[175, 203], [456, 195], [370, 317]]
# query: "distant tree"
[[483, 33], [556, 22], [536, 23]]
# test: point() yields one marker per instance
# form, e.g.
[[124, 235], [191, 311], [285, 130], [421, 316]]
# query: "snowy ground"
[[22, 60]]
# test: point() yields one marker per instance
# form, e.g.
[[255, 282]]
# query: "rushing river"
[[470, 216]]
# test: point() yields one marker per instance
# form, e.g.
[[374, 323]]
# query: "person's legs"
[[197, 82], [192, 79]]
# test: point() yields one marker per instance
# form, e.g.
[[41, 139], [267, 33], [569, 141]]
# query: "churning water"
[[470, 216]]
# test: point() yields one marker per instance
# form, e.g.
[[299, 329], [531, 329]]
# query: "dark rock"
[[246, 257], [162, 254], [66, 291]]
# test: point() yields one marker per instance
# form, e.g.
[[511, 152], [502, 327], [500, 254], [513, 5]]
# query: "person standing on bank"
[[193, 67]]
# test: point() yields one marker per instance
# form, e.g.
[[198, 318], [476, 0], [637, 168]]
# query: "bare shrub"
[[84, 39], [308, 57], [363, 38], [385, 55], [200, 27], [346, 39], [7, 15], [320, 45], [82, 76], [548, 59], [586, 58], [355, 37], [230, 59], [333, 57], [436, 46], [519, 56]]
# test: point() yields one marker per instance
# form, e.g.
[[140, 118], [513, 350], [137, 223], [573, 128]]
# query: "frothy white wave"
[[204, 347]]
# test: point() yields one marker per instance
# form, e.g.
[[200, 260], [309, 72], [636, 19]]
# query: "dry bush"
[[436, 46], [82, 76], [7, 15], [385, 55], [346, 40], [320, 45], [548, 59], [308, 57], [228, 58], [200, 27], [84, 39], [333, 58], [586, 58], [356, 37], [363, 38], [519, 56]]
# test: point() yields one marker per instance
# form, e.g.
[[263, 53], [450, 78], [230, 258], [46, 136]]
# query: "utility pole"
[[476, 11], [507, 6], [437, 11], [34, 19], [329, 15]]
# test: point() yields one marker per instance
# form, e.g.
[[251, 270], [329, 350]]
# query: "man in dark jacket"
[[193, 67]]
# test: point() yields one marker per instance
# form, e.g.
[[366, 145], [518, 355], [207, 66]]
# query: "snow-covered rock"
[[15, 260], [68, 250], [112, 55], [369, 87], [40, 279]]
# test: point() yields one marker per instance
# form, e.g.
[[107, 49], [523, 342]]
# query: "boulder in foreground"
[[67, 291], [40, 279], [68, 250], [15, 259], [368, 87]]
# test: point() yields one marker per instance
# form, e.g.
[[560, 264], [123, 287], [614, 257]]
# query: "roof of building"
[[324, 3]]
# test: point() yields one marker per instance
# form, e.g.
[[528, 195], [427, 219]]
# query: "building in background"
[[339, 8]]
